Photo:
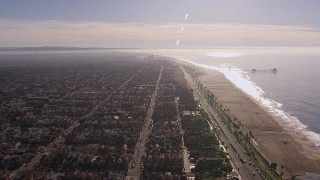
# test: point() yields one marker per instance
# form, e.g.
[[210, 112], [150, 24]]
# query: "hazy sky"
[[157, 23]]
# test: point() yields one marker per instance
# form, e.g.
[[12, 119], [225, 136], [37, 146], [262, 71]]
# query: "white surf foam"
[[241, 80]]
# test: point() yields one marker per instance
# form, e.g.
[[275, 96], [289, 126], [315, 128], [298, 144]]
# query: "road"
[[245, 170], [186, 162], [135, 164], [60, 139]]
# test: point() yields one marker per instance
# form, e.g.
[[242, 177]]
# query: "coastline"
[[298, 156]]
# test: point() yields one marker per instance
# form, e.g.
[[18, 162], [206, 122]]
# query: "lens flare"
[[186, 16]]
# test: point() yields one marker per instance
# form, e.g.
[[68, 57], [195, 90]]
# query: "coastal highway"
[[245, 170]]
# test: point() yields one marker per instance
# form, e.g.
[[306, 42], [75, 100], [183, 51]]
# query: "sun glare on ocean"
[[224, 54]]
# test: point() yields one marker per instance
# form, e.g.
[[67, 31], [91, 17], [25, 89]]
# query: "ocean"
[[292, 92]]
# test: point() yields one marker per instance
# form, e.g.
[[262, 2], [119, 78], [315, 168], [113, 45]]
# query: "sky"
[[160, 23]]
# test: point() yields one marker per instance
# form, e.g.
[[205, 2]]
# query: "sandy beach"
[[298, 156]]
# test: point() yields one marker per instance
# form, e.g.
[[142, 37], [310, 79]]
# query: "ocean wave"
[[242, 81]]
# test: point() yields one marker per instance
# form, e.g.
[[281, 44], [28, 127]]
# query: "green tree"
[[274, 166]]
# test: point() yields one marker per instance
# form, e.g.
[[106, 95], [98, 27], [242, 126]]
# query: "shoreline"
[[297, 156], [287, 121]]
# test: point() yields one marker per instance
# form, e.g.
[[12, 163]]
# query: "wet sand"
[[297, 156]]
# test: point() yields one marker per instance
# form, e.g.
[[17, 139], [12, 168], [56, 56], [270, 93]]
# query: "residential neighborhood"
[[84, 119]]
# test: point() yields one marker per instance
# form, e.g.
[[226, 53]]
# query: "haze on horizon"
[[159, 24]]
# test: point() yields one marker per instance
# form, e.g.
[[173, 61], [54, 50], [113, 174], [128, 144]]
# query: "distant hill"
[[52, 48]]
